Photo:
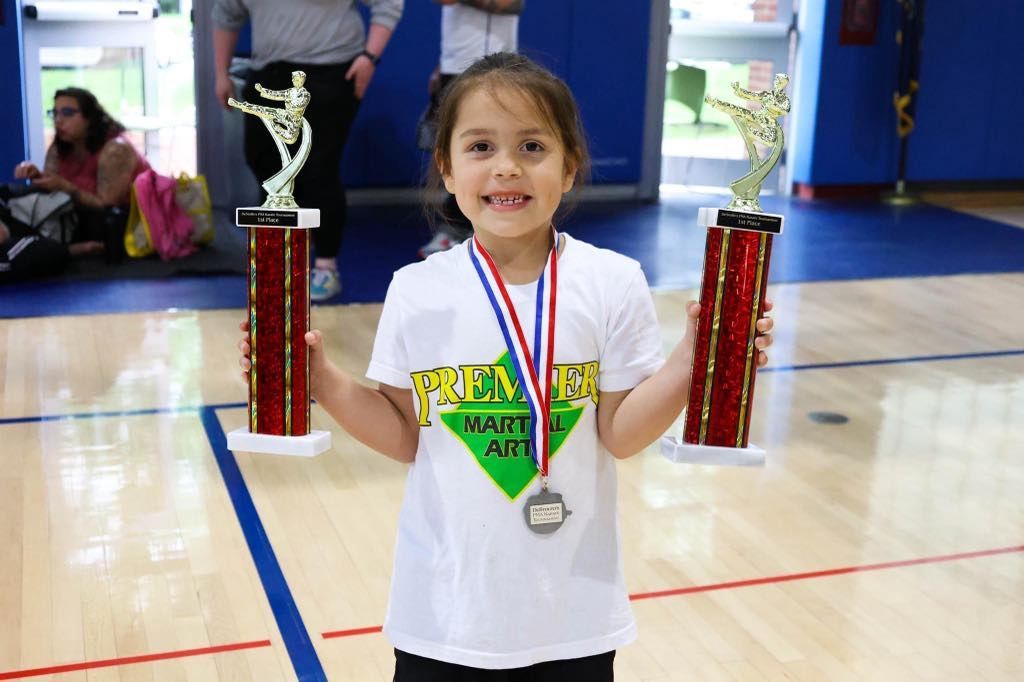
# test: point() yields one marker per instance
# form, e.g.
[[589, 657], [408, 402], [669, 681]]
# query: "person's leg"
[[454, 226], [412, 668], [332, 108], [91, 235], [598, 668], [25, 255], [261, 153], [331, 111]]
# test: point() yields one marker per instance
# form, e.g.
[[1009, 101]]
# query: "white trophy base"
[[676, 450], [309, 445]]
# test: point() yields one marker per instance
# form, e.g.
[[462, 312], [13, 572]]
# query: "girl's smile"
[[503, 201]]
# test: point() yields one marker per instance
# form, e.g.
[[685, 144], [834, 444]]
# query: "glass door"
[[134, 57], [712, 44]]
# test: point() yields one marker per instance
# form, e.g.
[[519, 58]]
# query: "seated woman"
[[93, 161]]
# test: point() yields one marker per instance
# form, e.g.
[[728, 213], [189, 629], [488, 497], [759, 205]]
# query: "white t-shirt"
[[467, 34], [472, 584]]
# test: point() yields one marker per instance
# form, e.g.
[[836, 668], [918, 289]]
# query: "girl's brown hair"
[[506, 72]]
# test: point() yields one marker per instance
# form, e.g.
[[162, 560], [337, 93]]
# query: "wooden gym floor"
[[884, 540]]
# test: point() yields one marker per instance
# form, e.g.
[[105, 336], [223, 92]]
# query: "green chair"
[[686, 85]]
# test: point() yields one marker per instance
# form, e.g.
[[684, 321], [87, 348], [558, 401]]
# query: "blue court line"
[[286, 612]]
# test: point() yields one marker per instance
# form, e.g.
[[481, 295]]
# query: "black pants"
[[332, 108], [105, 225], [412, 668], [25, 255]]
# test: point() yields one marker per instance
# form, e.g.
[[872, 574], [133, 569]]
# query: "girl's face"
[[508, 169], [68, 122]]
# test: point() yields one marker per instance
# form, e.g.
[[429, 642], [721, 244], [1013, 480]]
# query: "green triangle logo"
[[498, 434]]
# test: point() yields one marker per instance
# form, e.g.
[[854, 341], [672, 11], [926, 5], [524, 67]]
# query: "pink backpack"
[[169, 226]]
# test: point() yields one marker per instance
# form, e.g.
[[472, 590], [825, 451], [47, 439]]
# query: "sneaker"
[[442, 241], [324, 284]]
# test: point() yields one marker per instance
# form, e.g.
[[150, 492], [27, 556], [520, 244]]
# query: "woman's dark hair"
[[502, 73], [102, 126]]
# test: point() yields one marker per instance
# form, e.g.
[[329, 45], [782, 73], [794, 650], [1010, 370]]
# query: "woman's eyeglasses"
[[63, 112]]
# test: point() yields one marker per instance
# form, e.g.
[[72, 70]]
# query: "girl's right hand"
[[243, 347], [317, 362]]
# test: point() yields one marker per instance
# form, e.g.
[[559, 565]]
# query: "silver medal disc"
[[545, 512]]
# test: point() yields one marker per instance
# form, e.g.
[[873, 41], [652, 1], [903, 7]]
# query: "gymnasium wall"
[[967, 126], [968, 111], [598, 47], [13, 140]]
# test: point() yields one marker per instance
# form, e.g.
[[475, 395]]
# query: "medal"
[[545, 512]]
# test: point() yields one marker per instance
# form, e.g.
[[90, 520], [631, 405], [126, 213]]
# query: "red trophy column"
[[736, 257], [278, 313]]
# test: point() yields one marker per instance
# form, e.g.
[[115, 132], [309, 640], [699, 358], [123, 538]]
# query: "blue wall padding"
[[969, 113], [804, 116], [13, 138], [966, 126], [608, 73]]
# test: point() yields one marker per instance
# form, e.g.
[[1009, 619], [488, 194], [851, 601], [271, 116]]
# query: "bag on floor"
[[168, 216], [194, 198], [49, 214]]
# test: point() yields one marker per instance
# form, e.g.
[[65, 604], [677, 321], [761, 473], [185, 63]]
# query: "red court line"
[[353, 632], [127, 660], [768, 580], [824, 574]]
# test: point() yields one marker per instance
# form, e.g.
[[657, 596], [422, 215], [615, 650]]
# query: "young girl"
[[508, 556]]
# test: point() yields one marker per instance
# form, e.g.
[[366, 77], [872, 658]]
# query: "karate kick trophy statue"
[[736, 256], [279, 291]]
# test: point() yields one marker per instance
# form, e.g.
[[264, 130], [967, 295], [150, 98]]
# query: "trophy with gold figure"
[[279, 290], [736, 256]]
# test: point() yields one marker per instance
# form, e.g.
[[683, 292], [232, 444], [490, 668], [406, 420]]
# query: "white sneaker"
[[324, 284], [442, 241]]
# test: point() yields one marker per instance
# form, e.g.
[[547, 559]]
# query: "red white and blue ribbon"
[[533, 369]]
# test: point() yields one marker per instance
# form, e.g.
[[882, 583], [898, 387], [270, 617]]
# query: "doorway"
[[713, 43], [135, 58]]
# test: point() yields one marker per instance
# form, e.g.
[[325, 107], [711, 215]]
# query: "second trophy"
[[735, 275]]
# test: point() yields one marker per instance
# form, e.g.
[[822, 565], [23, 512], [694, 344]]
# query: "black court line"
[[896, 361], [785, 368]]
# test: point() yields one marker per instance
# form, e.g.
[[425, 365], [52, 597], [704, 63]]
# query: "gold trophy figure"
[[762, 125], [284, 126], [735, 277]]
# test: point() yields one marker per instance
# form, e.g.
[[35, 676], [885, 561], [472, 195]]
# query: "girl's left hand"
[[762, 341]]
